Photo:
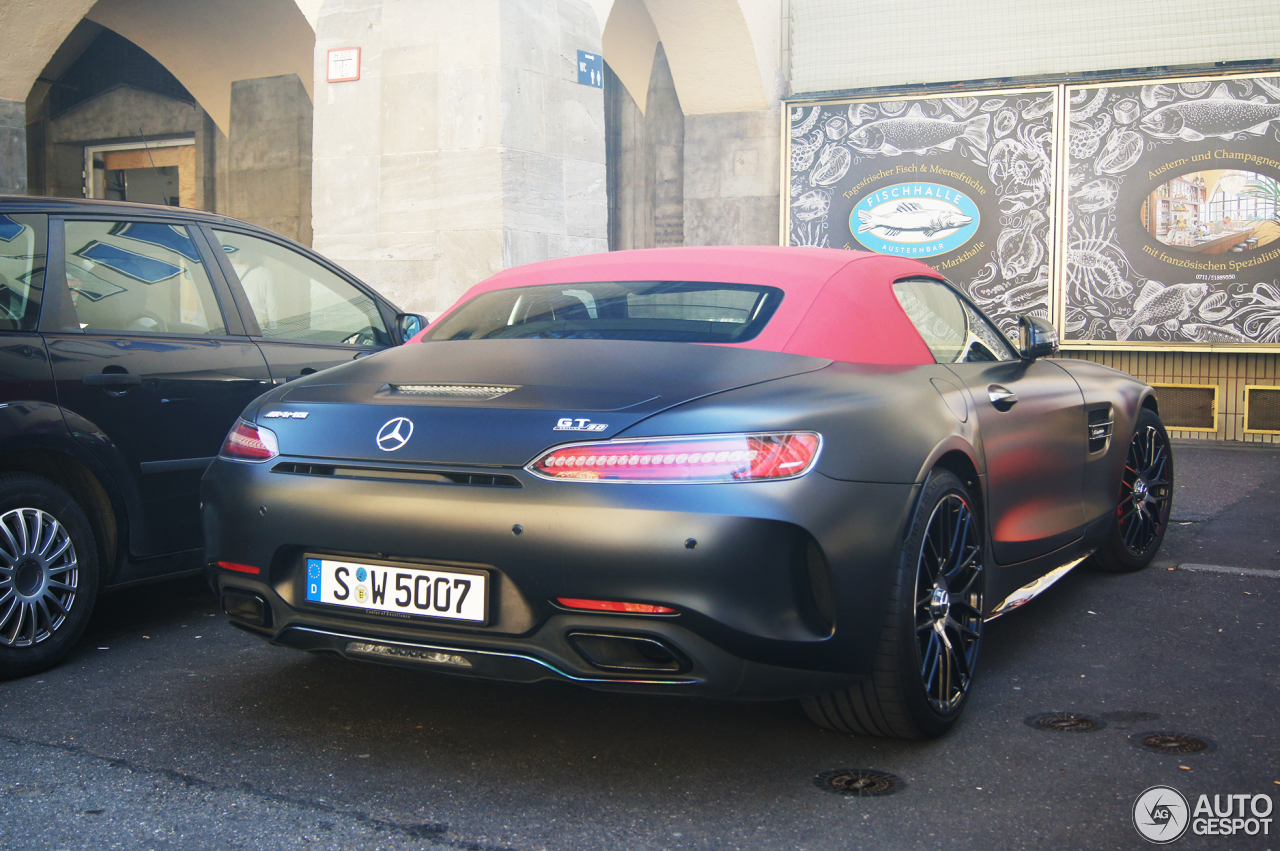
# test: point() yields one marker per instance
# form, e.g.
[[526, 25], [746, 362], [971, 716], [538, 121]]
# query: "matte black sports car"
[[738, 472]]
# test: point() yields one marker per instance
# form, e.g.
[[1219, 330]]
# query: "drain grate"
[[1065, 722], [1174, 743], [861, 782]]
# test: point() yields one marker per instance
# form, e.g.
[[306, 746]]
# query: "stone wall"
[[268, 162], [458, 154], [731, 178], [13, 147], [646, 162]]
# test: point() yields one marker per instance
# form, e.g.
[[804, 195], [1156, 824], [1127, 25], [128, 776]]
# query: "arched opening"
[[198, 103]]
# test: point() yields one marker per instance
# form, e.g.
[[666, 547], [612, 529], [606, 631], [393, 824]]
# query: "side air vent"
[[1262, 410], [1100, 425], [452, 392], [1188, 407], [393, 474]]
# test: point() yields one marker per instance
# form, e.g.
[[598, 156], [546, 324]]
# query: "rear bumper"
[[747, 623]]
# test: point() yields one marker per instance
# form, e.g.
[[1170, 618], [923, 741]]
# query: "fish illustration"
[[1218, 115], [1158, 305], [910, 216], [916, 133], [832, 164], [1201, 333], [1097, 195], [811, 205]]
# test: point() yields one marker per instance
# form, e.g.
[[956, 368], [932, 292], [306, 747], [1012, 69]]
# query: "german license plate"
[[398, 589]]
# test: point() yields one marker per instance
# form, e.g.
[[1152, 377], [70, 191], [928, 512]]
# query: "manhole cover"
[[858, 781], [1065, 722], [1174, 743]]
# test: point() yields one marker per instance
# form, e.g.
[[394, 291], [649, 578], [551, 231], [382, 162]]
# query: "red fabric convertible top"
[[838, 304]]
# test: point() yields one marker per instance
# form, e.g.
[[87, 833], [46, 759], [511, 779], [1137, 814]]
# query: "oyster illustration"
[[1214, 308], [1005, 120]]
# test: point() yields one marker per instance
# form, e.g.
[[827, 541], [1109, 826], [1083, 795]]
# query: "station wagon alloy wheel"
[[949, 603], [1144, 490], [38, 576]]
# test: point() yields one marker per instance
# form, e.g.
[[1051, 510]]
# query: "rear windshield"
[[664, 311]]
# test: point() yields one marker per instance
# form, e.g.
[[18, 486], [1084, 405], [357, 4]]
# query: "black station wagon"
[[131, 337]]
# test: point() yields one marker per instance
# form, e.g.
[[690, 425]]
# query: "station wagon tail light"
[[248, 442], [713, 458]]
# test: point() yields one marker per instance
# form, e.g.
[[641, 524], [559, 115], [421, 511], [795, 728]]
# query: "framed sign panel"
[[964, 183], [1172, 215]]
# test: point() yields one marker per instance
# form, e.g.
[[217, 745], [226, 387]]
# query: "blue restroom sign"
[[590, 69]]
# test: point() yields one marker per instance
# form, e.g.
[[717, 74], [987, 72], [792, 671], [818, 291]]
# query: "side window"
[[139, 277], [22, 261], [295, 298], [953, 329], [938, 315], [990, 344]]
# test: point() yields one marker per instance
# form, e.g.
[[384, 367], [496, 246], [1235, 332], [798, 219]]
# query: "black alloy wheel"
[[48, 574], [932, 631], [949, 590], [1145, 499]]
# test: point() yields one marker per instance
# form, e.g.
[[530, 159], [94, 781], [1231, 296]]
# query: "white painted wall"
[[838, 45]]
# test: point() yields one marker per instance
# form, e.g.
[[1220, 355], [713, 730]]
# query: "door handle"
[[111, 379], [1002, 397]]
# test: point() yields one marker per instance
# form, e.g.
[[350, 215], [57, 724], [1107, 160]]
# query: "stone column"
[[13, 147], [269, 155], [466, 146]]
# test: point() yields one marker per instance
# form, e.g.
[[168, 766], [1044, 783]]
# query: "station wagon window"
[[139, 277], [670, 311], [295, 298], [953, 329], [22, 262]]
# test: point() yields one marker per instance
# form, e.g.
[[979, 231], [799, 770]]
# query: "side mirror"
[[1036, 338], [409, 324]]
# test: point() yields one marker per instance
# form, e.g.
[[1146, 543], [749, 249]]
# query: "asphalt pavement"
[[168, 729]]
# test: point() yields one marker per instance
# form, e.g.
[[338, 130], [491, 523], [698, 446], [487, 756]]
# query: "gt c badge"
[[568, 424], [395, 434]]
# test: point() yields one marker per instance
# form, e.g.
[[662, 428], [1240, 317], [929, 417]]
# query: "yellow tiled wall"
[[1230, 372]]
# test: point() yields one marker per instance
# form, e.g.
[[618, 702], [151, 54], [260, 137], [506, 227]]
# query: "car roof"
[[838, 304], [98, 207]]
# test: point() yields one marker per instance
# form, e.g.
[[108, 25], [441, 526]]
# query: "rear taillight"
[[248, 442], [713, 458], [614, 606]]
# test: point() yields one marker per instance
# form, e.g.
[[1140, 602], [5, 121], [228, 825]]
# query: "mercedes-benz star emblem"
[[394, 434]]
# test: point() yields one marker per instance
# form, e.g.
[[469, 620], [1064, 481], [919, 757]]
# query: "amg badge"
[[288, 415], [568, 424]]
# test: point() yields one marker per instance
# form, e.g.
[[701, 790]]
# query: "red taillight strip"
[[249, 442], [691, 459], [611, 606], [239, 568]]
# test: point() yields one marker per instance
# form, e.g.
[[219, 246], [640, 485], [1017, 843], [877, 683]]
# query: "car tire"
[[933, 621], [1144, 502], [48, 574]]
